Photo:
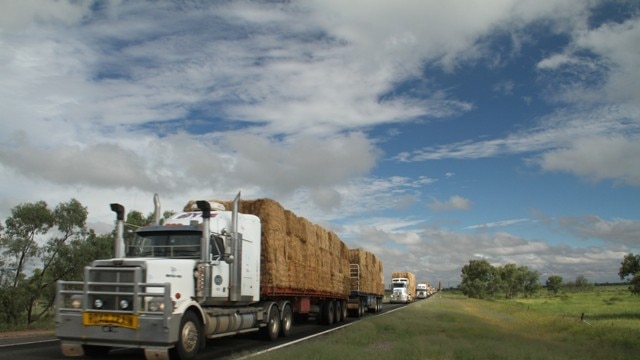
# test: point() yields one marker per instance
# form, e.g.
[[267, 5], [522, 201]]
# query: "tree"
[[33, 258], [518, 279], [510, 280], [479, 279], [19, 244], [530, 281], [630, 267], [554, 283]]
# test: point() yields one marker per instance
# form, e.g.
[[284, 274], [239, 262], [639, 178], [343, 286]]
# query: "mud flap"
[[156, 354], [71, 350]]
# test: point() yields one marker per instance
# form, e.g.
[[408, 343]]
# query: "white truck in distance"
[[403, 287], [196, 277], [422, 291]]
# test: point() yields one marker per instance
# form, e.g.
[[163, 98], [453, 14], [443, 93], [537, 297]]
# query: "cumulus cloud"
[[597, 158], [624, 232], [455, 203]]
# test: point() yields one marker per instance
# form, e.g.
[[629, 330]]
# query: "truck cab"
[[400, 291], [422, 291], [174, 285]]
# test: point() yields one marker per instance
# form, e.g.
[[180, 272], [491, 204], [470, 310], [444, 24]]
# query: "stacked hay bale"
[[411, 289], [370, 279], [298, 257]]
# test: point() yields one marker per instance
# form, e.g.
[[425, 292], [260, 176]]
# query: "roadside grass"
[[451, 326]]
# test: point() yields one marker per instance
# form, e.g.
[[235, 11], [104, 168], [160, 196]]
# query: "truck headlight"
[[76, 301], [124, 304], [155, 305], [98, 303]]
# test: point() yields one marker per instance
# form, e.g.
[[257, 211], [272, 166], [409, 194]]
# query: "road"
[[226, 348]]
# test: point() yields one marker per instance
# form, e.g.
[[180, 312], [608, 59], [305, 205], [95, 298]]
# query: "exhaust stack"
[[235, 268], [205, 249], [156, 209], [118, 241]]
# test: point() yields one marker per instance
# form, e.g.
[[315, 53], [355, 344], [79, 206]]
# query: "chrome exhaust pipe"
[[156, 209], [205, 249], [235, 268], [118, 241]]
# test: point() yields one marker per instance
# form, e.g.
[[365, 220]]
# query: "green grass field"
[[451, 326]]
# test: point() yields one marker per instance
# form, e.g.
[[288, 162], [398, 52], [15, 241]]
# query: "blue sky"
[[430, 133]]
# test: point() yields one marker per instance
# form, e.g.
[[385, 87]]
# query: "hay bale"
[[370, 278], [297, 255]]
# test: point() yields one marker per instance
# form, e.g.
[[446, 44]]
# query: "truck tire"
[[96, 351], [327, 312], [337, 312], [189, 338], [286, 321], [356, 313], [344, 310], [272, 330]]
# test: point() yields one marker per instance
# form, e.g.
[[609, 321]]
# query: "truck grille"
[[113, 289]]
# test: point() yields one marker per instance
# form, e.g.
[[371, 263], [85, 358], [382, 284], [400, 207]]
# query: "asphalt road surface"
[[40, 347]]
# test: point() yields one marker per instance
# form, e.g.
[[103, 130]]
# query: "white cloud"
[[18, 15], [616, 158], [455, 203], [625, 232], [493, 224]]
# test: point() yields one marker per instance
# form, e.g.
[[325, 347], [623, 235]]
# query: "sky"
[[430, 133]]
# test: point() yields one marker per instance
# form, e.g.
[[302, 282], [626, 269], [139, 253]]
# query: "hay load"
[[370, 276], [297, 257]]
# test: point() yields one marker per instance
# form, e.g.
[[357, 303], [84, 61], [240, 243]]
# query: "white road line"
[[28, 343]]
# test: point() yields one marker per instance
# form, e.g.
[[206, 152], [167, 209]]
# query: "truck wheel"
[[356, 312], [96, 351], [272, 330], [327, 312], [337, 315], [189, 337], [287, 321], [344, 310]]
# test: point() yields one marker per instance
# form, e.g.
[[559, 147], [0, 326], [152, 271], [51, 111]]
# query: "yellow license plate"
[[122, 320]]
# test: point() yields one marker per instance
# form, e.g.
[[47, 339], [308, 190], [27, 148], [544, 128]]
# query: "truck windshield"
[[173, 244], [399, 285]]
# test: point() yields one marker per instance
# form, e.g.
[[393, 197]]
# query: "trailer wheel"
[[357, 312], [189, 337], [344, 310], [337, 316], [96, 351], [327, 312], [272, 330], [287, 321]]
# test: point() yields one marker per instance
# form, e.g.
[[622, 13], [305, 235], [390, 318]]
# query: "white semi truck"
[[403, 285], [176, 285], [422, 291]]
